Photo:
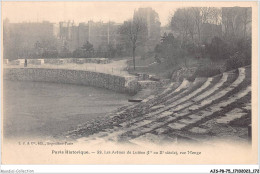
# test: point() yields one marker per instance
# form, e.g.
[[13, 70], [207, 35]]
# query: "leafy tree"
[[87, 50], [88, 47], [171, 50], [111, 51]]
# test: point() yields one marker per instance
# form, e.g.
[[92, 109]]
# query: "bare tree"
[[196, 12], [203, 15], [229, 20], [215, 15], [183, 23], [134, 31], [246, 18], [236, 20]]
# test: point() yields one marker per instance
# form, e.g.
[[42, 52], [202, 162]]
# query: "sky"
[[81, 11], [85, 11]]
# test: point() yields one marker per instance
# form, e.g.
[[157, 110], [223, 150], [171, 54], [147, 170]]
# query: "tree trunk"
[[199, 35], [134, 56], [244, 30]]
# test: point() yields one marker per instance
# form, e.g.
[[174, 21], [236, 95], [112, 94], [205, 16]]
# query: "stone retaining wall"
[[79, 77], [33, 61], [58, 61]]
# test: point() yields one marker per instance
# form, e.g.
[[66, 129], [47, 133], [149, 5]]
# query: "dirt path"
[[115, 67]]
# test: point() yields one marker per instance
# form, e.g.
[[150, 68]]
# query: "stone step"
[[151, 98], [162, 113], [137, 131], [169, 90], [175, 99], [222, 93], [247, 106], [148, 98], [187, 97], [157, 106], [212, 109], [162, 130], [198, 130], [184, 92], [230, 116], [139, 128], [142, 123], [179, 90], [190, 120], [184, 84], [204, 95], [177, 125], [190, 103], [213, 89]]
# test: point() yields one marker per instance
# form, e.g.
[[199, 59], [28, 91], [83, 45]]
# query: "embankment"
[[79, 77]]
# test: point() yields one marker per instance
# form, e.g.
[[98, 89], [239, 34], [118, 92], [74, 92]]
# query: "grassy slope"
[[164, 70]]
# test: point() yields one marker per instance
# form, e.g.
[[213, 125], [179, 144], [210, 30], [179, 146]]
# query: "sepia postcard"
[[96, 82]]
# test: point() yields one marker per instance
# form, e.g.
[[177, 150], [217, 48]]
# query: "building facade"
[[97, 33], [36, 39], [152, 22], [28, 38]]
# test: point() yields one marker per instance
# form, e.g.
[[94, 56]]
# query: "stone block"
[[198, 130], [177, 125], [189, 121], [161, 130]]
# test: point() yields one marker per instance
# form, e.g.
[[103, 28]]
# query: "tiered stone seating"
[[181, 109], [230, 116]]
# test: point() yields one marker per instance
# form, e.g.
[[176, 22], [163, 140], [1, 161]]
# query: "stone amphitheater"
[[215, 108]]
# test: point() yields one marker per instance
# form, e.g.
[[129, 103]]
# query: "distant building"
[[20, 39], [97, 33], [153, 24], [82, 34], [67, 36], [36, 39]]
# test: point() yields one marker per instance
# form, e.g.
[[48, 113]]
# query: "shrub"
[[218, 49], [207, 72], [237, 60]]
